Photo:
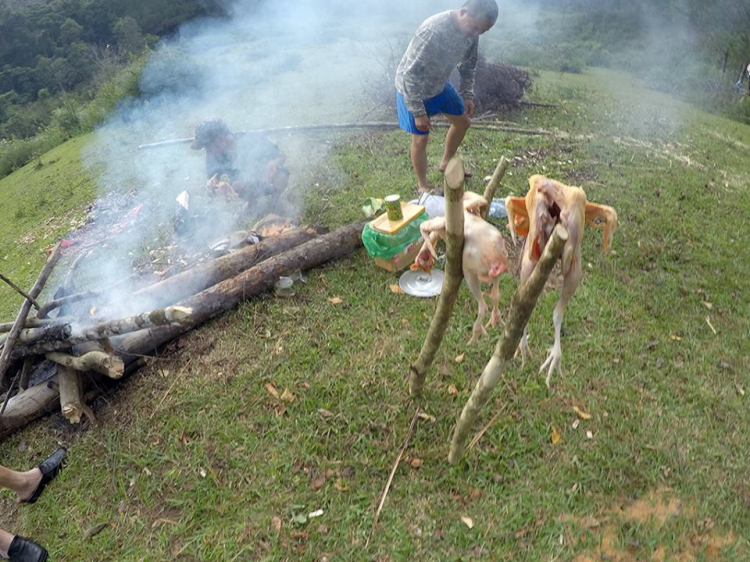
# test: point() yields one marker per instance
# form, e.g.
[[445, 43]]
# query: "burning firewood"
[[142, 334], [102, 330]]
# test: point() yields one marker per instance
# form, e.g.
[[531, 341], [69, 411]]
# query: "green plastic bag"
[[386, 246]]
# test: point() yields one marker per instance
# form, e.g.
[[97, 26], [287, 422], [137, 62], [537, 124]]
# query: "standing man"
[[441, 43]]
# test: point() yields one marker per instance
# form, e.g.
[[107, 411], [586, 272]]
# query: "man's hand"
[[469, 108], [423, 123]]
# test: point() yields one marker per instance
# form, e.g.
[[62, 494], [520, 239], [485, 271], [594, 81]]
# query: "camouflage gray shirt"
[[435, 50]]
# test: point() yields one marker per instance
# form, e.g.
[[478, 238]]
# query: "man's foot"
[[48, 469], [25, 550]]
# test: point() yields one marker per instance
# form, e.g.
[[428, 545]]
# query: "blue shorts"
[[448, 101]]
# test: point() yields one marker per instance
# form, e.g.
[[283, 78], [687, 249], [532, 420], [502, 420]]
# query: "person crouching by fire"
[[248, 167]]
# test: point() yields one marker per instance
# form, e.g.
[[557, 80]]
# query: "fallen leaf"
[[340, 486], [740, 390], [452, 390], [675, 337], [272, 390], [476, 494], [590, 523], [427, 417], [576, 423], [396, 289], [459, 358], [276, 523], [287, 396], [589, 435], [163, 521], [416, 462], [468, 522], [325, 413], [202, 472], [556, 438], [335, 300], [316, 513], [318, 482], [93, 531], [708, 305], [708, 321], [581, 414]]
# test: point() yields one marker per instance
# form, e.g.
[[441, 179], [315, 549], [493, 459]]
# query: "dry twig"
[[393, 473]]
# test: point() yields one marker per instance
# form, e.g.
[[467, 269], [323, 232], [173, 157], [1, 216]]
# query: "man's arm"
[[467, 69]]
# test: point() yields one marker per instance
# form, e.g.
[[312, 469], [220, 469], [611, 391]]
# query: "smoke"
[[269, 65]]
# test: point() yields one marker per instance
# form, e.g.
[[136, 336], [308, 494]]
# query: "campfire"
[[73, 344]]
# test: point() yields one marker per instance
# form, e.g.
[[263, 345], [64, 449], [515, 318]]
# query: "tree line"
[[58, 46]]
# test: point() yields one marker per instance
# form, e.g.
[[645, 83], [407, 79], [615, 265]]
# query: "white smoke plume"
[[267, 65]]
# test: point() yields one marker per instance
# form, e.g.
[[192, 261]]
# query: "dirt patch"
[[657, 509]]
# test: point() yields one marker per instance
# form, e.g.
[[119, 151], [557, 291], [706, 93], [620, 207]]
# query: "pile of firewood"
[[64, 351]]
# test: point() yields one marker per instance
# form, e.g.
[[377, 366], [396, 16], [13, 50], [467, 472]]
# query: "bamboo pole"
[[346, 126], [454, 241], [522, 305], [497, 176]]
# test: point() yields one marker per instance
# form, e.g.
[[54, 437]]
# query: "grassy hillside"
[[196, 460], [41, 202]]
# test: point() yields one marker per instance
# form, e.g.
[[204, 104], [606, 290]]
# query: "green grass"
[[194, 457]]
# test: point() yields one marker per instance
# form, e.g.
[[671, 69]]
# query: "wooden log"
[[23, 383], [5, 356], [66, 301], [497, 176], [30, 323], [102, 330], [38, 400], [454, 241], [196, 279], [99, 361], [229, 293], [29, 405], [51, 332], [71, 403], [522, 305]]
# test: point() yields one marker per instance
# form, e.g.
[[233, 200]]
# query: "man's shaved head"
[[482, 8]]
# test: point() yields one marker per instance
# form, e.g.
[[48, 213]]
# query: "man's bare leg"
[[456, 133], [419, 160], [22, 483], [5, 539]]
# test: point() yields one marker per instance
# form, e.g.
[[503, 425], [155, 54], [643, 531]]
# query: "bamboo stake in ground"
[[22, 314], [454, 242], [489, 191], [522, 305]]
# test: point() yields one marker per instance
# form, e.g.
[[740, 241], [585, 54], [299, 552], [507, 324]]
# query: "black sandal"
[[25, 550], [50, 467]]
